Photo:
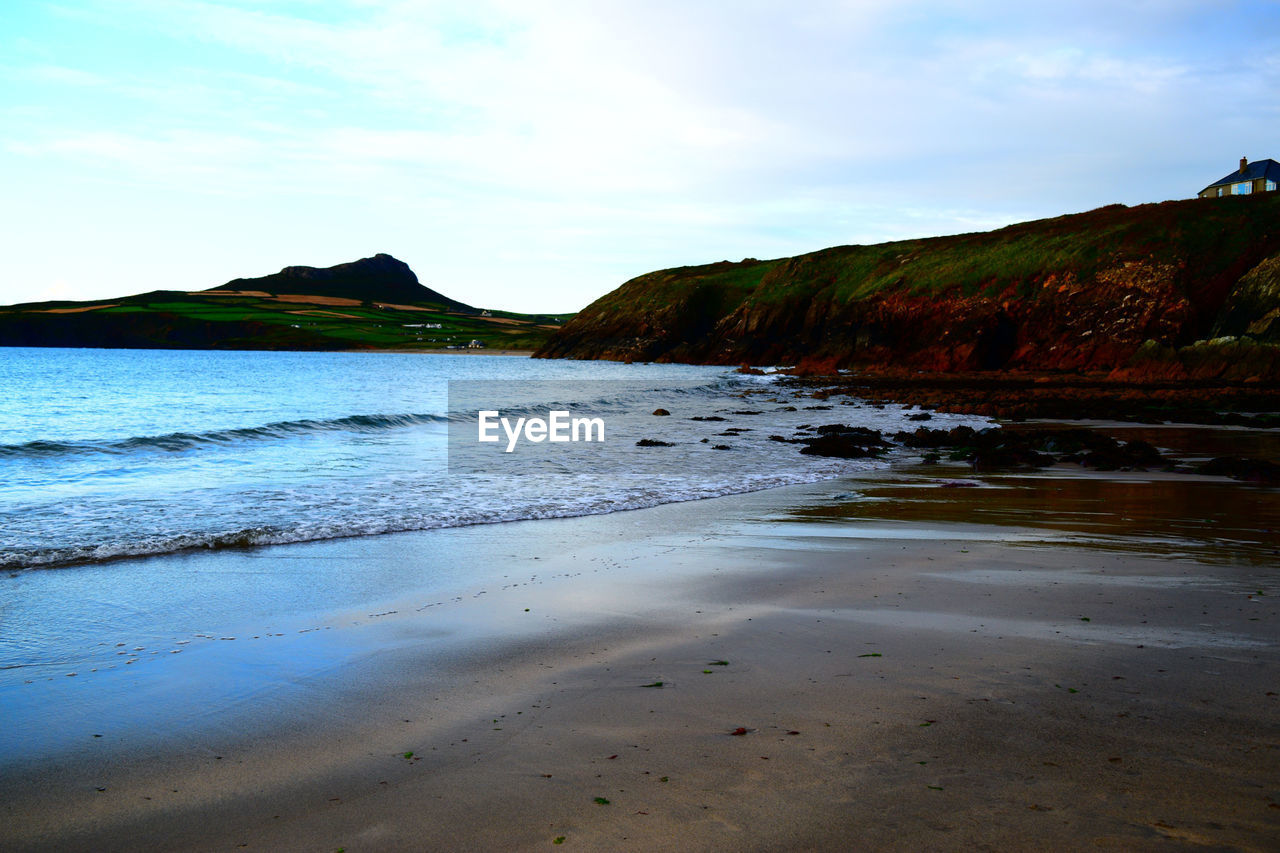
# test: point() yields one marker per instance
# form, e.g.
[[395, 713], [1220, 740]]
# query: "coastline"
[[516, 353], [1059, 659], [1017, 395]]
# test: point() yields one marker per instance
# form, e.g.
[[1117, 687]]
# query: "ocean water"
[[109, 454]]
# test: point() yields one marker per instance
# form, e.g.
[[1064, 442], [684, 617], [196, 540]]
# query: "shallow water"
[[115, 453]]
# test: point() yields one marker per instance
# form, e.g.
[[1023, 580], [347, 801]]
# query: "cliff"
[[1139, 289]]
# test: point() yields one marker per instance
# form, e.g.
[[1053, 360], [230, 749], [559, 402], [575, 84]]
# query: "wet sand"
[[917, 660]]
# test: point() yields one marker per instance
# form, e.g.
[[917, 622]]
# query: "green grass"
[[1200, 232], [245, 319]]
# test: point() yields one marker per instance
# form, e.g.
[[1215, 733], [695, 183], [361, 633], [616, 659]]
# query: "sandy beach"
[[919, 659]]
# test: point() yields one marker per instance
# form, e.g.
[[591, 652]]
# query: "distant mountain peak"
[[381, 278]]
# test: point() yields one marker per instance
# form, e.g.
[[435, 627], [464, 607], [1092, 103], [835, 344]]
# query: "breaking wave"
[[176, 442]]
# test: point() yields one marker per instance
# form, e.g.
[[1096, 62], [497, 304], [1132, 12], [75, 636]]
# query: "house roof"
[[1257, 169]]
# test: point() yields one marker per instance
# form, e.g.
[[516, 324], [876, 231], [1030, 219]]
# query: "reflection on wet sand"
[[1211, 519]]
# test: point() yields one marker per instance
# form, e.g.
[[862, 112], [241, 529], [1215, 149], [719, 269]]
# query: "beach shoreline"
[[888, 662]]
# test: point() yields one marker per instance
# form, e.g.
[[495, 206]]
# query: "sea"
[[108, 455]]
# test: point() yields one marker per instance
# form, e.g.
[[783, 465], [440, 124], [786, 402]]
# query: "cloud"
[[592, 136]]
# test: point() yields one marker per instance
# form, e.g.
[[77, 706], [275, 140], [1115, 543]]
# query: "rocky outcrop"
[[1253, 307], [1113, 289], [381, 278], [1010, 449], [1014, 396]]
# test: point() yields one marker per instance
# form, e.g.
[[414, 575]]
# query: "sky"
[[532, 156]]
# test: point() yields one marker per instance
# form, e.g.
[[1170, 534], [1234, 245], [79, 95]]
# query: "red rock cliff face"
[[1093, 291]]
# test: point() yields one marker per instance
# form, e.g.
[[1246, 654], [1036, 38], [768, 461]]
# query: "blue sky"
[[534, 155]]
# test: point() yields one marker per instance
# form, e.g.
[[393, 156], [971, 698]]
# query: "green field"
[[212, 320]]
